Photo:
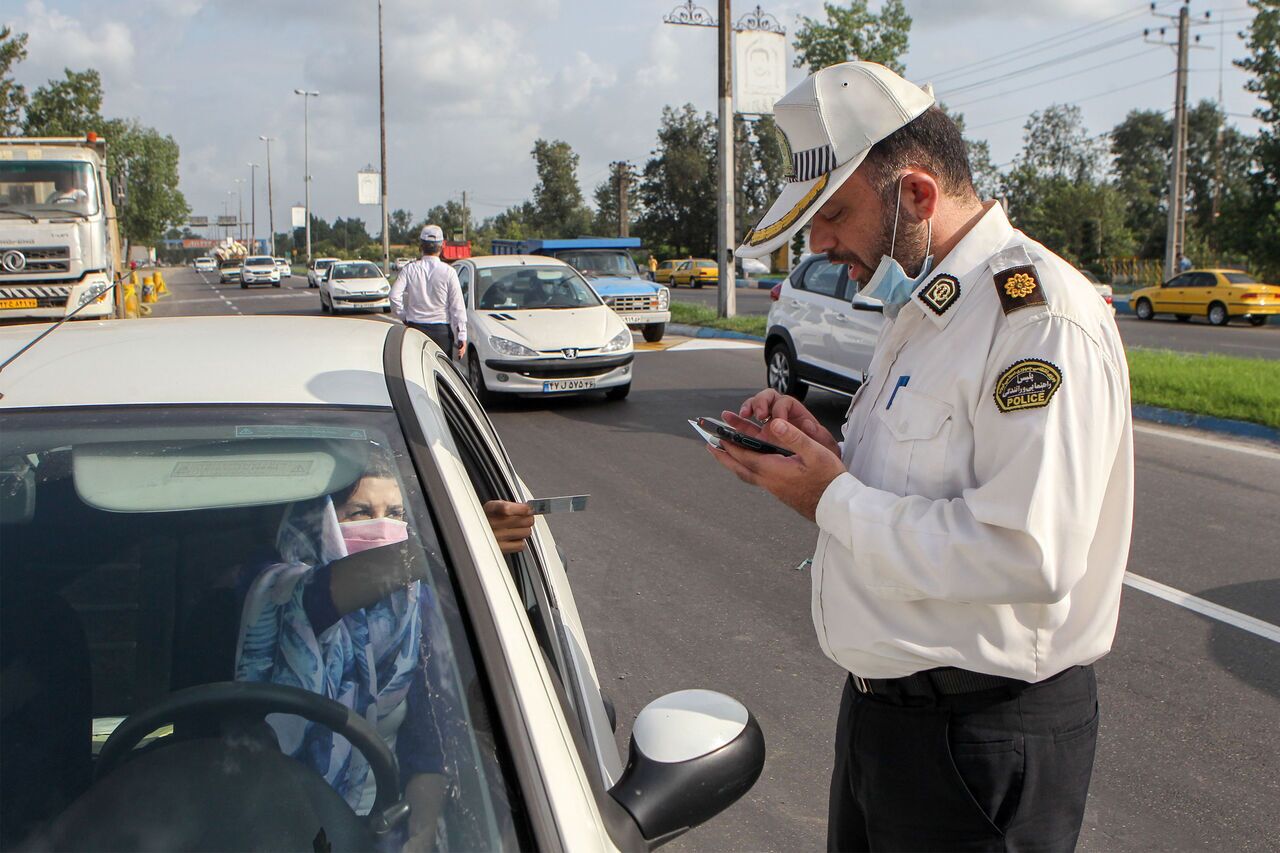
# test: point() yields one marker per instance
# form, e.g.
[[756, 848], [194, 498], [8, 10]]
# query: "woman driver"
[[346, 630]]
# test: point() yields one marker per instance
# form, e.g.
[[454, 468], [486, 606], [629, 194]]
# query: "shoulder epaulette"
[[1015, 279]]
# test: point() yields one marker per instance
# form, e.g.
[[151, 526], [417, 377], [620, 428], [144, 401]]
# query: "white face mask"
[[890, 282]]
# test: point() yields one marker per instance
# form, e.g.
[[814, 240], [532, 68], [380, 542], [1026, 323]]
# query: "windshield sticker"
[[286, 431]]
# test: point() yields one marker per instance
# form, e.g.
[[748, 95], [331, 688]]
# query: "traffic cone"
[[162, 289], [149, 290], [131, 307]]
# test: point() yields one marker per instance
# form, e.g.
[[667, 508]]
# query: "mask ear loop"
[[928, 246], [897, 208]]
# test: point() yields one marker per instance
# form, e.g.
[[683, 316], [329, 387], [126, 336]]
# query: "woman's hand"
[[512, 524]]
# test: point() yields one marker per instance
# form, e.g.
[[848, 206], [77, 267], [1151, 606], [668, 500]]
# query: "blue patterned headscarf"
[[366, 660]]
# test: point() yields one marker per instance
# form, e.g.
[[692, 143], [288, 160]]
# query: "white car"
[[401, 263], [318, 268], [205, 265], [821, 331], [536, 327], [259, 269], [285, 268], [152, 532], [354, 286]]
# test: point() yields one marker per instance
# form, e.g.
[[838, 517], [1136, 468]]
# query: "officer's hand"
[[462, 349], [512, 524], [769, 405], [798, 481]]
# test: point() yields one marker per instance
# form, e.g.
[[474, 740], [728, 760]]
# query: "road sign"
[[198, 222], [760, 80], [299, 216], [228, 221]]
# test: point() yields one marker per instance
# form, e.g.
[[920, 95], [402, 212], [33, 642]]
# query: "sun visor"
[[164, 477]]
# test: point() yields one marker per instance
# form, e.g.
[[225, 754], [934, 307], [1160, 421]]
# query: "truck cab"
[[607, 265], [59, 247]]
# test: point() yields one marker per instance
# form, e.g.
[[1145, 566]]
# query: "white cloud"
[[58, 41]]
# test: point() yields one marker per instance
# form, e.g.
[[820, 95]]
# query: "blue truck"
[[607, 264]]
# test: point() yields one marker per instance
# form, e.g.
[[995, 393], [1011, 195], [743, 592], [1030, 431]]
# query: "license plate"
[[18, 303], [635, 319], [568, 385]]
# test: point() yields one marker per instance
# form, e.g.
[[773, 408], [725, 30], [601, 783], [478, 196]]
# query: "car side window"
[[1203, 279], [823, 278], [1178, 281], [464, 279]]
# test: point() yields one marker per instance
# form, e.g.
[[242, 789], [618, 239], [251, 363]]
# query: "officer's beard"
[[908, 249]]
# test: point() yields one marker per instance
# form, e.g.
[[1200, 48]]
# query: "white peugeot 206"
[[252, 610], [536, 327]]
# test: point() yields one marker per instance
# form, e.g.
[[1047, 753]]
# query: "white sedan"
[[536, 327], [283, 584], [354, 286]]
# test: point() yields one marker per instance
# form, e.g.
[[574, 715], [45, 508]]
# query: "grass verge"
[[1242, 389], [700, 315]]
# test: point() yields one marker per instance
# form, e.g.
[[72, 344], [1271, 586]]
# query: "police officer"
[[428, 297], [974, 523]]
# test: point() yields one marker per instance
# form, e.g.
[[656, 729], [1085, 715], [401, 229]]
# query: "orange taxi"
[[1219, 295]]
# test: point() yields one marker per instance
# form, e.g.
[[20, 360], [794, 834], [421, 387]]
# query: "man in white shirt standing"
[[428, 297], [974, 524]]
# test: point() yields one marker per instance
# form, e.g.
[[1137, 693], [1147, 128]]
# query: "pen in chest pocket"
[[902, 383]]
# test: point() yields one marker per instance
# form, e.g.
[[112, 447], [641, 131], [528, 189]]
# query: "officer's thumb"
[[789, 436]]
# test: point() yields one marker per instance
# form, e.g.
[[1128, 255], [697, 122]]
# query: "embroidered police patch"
[[1027, 384], [941, 293], [1019, 287]]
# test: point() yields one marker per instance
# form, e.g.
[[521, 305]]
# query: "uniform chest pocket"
[[917, 432]]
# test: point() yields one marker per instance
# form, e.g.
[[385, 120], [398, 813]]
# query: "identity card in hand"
[[566, 503]]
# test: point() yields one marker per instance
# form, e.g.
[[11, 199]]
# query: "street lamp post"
[[271, 205], [306, 160], [253, 202], [382, 141], [240, 216]]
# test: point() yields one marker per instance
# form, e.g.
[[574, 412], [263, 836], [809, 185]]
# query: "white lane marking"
[[713, 343], [1176, 432], [1205, 608]]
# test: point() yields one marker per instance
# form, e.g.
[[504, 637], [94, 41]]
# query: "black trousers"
[[1003, 769], [441, 333]]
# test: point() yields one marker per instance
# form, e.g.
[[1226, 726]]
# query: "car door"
[[1171, 296], [816, 294], [1201, 290], [856, 323]]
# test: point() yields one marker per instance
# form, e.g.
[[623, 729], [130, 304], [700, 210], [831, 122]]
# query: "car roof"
[[185, 360], [488, 261]]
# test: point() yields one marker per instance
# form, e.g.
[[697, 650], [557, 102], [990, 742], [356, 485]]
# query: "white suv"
[[259, 269], [821, 331]]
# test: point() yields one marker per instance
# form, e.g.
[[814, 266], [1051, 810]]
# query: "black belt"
[[945, 681]]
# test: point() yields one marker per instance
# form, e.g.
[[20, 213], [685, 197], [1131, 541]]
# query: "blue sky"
[[470, 85]]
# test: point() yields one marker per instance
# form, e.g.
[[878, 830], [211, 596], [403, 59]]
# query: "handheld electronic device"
[[708, 427]]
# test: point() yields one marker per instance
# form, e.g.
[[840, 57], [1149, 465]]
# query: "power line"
[[1078, 101], [1056, 40], [1043, 82], [1048, 62]]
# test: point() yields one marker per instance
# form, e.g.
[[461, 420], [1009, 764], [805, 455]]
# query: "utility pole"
[[271, 207], [1176, 230], [306, 161], [728, 303], [382, 134], [622, 184], [239, 182], [466, 217], [253, 203]]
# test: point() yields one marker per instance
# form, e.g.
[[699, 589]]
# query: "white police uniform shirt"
[[984, 521], [427, 291]]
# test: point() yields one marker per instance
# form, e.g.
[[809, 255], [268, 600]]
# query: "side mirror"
[[693, 754]]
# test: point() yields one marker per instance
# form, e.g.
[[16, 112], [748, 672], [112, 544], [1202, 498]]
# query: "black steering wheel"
[[228, 698]]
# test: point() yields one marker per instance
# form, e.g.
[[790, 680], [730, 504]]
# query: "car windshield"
[[260, 262], [522, 288], [600, 262], [355, 271], [152, 549], [48, 187], [231, 262], [1239, 278], [323, 265]]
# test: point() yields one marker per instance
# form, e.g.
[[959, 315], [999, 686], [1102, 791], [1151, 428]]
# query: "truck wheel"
[[1218, 315], [618, 393], [654, 332], [780, 373]]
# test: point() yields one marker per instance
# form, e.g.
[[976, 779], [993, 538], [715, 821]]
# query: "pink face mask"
[[374, 533]]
